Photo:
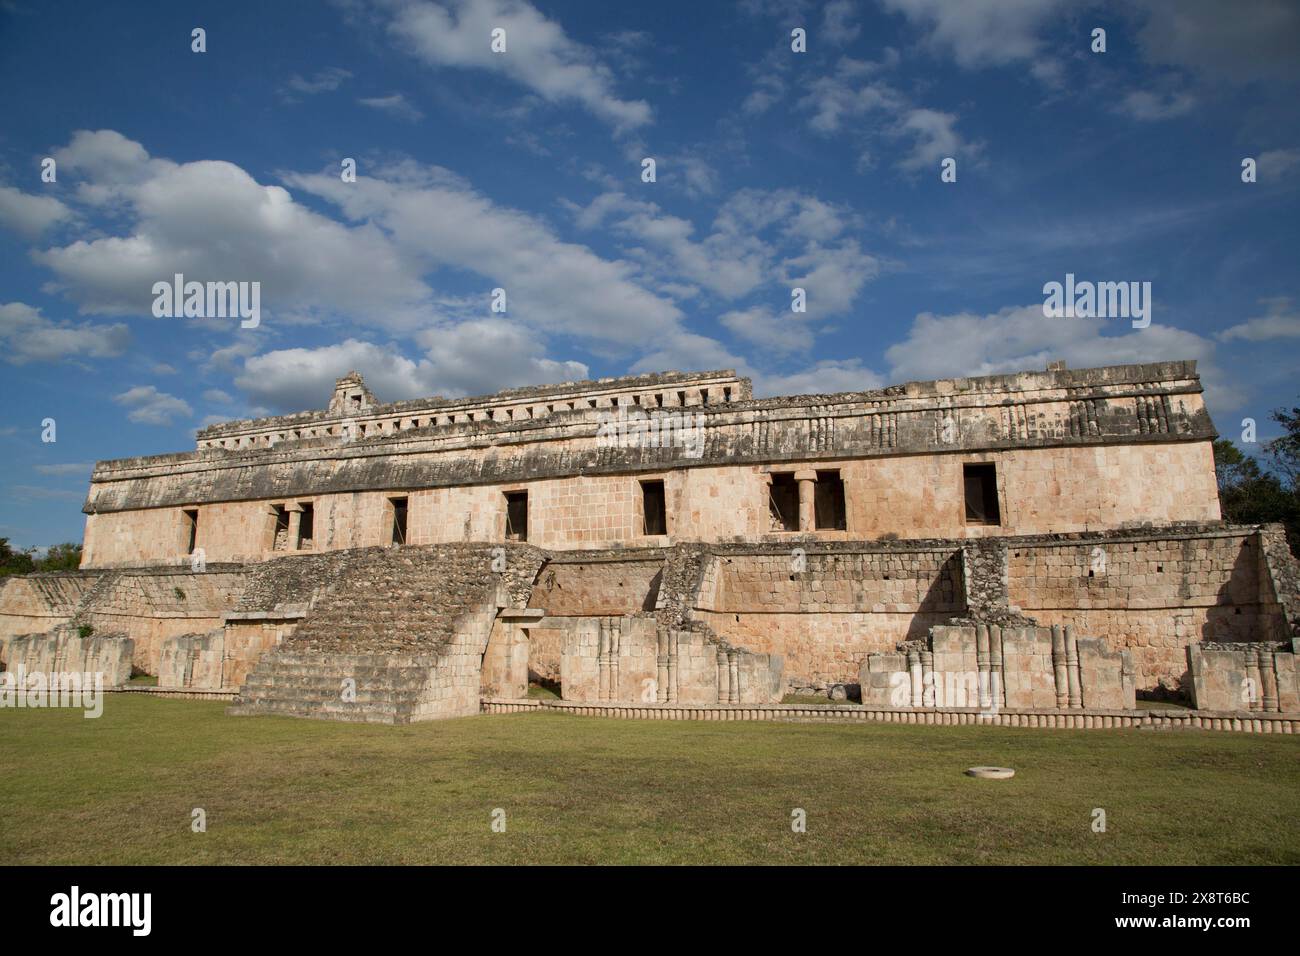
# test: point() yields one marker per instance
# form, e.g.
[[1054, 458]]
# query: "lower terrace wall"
[[65, 651], [825, 612], [571, 588], [148, 606], [1153, 595], [36, 603]]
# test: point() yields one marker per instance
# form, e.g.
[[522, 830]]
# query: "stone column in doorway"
[[807, 499], [295, 524]]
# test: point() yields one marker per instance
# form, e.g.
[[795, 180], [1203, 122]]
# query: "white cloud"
[[1021, 337], [758, 236], [1237, 42], [27, 336], [323, 81], [1275, 163], [849, 93], [1280, 321], [769, 330], [472, 358], [148, 406], [218, 396], [933, 139], [838, 27], [395, 105], [539, 55], [831, 276], [687, 351], [73, 468], [983, 33], [28, 215], [210, 220], [1147, 105], [824, 378], [434, 219]]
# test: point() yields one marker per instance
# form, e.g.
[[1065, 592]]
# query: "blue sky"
[[522, 170]]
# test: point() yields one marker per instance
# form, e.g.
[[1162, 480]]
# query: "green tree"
[[61, 557], [1250, 495], [14, 562]]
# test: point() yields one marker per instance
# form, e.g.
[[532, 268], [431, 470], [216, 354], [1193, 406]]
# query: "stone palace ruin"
[[1034, 548]]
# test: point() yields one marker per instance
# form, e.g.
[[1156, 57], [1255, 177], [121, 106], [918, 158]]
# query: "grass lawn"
[[121, 789]]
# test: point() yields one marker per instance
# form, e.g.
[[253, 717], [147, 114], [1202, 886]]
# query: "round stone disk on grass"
[[991, 773]]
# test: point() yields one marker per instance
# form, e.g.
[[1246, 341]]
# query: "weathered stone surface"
[[65, 651], [716, 603]]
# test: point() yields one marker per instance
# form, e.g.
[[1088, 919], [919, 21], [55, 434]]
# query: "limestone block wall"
[[826, 617], [149, 606], [246, 639], [1051, 489], [1153, 596], [64, 650], [634, 659], [993, 667], [193, 661], [152, 606], [1256, 676], [599, 587], [36, 603]]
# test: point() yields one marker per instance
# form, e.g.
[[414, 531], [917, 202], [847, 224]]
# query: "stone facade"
[[670, 540], [993, 668], [1064, 447]]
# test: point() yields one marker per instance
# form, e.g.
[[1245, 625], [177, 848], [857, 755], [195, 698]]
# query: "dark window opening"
[[783, 502], [280, 537], [726, 394], [516, 516], [398, 533], [653, 507], [681, 398], [306, 527], [828, 502], [981, 486], [191, 528]]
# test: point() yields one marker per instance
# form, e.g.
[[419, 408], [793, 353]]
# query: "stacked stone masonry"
[[670, 539]]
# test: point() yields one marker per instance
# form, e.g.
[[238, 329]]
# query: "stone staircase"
[[365, 688], [398, 635]]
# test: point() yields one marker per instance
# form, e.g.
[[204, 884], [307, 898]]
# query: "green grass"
[[814, 700], [121, 789]]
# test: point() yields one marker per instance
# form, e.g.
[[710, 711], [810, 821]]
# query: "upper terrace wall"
[[1055, 489]]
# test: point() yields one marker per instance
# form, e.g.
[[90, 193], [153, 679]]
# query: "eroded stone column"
[[661, 668], [672, 666], [724, 677], [1268, 679], [1058, 665], [995, 665], [983, 662], [602, 661], [615, 648], [918, 681], [733, 671], [1252, 675], [1075, 698], [295, 524], [929, 696], [807, 480]]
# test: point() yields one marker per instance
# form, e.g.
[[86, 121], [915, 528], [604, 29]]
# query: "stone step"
[[310, 709]]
